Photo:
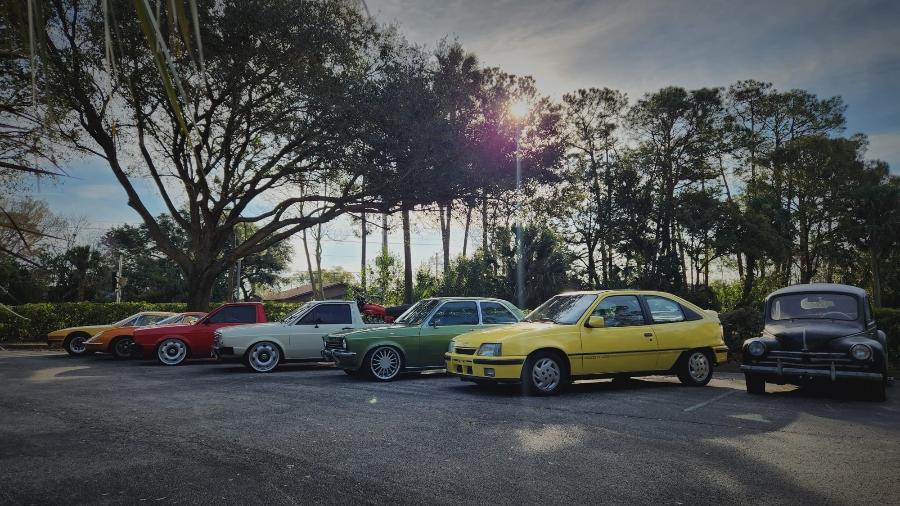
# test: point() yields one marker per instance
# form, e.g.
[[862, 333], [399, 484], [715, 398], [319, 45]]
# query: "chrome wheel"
[[172, 352], [546, 374], [698, 366], [385, 363], [122, 347], [77, 346], [263, 357]]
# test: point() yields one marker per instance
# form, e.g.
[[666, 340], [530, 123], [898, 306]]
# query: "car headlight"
[[452, 347], [343, 343], [861, 351], [756, 348], [489, 350]]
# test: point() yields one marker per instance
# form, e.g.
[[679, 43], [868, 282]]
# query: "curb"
[[23, 346]]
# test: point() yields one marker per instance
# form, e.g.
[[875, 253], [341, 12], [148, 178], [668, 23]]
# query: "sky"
[[828, 47]]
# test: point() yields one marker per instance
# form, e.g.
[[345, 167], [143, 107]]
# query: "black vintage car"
[[813, 332]]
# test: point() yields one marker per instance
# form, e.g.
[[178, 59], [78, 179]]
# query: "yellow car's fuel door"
[[624, 343]]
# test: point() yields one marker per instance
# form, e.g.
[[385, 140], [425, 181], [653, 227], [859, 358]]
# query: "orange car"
[[118, 340]]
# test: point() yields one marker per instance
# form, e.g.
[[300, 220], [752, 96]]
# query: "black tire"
[[74, 344], [756, 385], [695, 368], [383, 363], [122, 347], [544, 373]]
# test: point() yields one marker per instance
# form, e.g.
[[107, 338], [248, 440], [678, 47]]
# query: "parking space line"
[[709, 401]]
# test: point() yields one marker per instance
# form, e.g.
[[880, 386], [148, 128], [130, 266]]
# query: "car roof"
[[624, 291], [820, 287], [492, 299], [158, 313]]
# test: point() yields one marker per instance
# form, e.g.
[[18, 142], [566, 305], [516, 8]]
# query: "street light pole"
[[520, 257]]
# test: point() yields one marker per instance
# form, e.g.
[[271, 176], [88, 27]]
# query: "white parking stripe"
[[709, 401]]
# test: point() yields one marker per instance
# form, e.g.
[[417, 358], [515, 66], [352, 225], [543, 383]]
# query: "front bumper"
[[343, 359], [96, 347], [786, 372], [478, 368]]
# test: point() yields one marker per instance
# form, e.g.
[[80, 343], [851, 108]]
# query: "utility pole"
[[120, 281], [237, 280]]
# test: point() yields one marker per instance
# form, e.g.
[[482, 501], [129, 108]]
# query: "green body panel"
[[434, 341]]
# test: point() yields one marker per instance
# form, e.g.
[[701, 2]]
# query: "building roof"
[[300, 291]]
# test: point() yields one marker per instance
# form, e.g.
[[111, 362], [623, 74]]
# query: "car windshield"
[[169, 320], [562, 309], [418, 312], [297, 312], [814, 306], [125, 322]]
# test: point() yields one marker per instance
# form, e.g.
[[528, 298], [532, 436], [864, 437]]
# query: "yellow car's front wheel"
[[544, 373]]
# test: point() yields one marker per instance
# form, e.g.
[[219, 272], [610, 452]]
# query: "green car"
[[418, 339]]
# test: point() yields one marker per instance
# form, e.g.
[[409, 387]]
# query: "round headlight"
[[756, 348], [861, 351]]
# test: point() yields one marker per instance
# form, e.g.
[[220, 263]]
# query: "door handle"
[[648, 334]]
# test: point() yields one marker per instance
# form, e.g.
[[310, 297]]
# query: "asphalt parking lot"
[[95, 430]]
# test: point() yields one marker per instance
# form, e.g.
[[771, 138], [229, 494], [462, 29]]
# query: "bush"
[[889, 321], [740, 324], [46, 317]]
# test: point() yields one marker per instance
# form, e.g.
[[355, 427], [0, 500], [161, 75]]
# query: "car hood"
[[89, 329], [812, 335], [501, 333]]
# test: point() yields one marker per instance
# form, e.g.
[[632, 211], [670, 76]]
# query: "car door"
[[450, 320], [626, 342], [201, 337], [672, 328], [306, 336]]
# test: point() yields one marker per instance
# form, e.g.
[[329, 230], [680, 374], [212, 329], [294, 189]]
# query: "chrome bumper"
[[831, 373]]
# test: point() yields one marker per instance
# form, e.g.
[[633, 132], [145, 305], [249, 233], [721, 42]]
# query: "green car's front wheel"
[[384, 363]]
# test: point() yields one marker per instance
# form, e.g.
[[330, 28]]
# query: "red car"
[[173, 344]]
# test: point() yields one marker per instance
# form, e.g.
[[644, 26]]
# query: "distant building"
[[304, 293]]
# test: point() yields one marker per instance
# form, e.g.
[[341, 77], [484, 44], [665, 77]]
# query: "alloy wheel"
[[546, 374], [698, 366], [263, 357], [385, 363], [172, 352]]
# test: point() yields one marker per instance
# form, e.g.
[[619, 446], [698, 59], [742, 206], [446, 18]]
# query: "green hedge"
[[45, 318]]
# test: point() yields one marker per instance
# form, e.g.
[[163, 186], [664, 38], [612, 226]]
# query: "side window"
[[456, 313], [494, 312], [235, 314], [664, 310], [152, 319], [328, 314], [190, 319], [620, 311]]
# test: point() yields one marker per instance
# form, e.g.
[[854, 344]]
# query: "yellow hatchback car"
[[580, 335]]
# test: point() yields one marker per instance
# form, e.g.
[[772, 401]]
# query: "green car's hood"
[[375, 332]]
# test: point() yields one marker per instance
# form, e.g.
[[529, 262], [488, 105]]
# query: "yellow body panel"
[[590, 351], [58, 336]]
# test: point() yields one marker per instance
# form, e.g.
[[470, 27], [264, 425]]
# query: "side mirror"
[[318, 322], [595, 322]]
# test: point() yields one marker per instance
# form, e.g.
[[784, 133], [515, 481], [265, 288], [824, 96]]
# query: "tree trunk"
[[875, 265], [445, 234], [466, 230], [309, 268], [591, 266], [199, 291], [407, 260], [748, 281]]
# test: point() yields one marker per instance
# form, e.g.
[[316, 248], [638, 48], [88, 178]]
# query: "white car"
[[297, 337]]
